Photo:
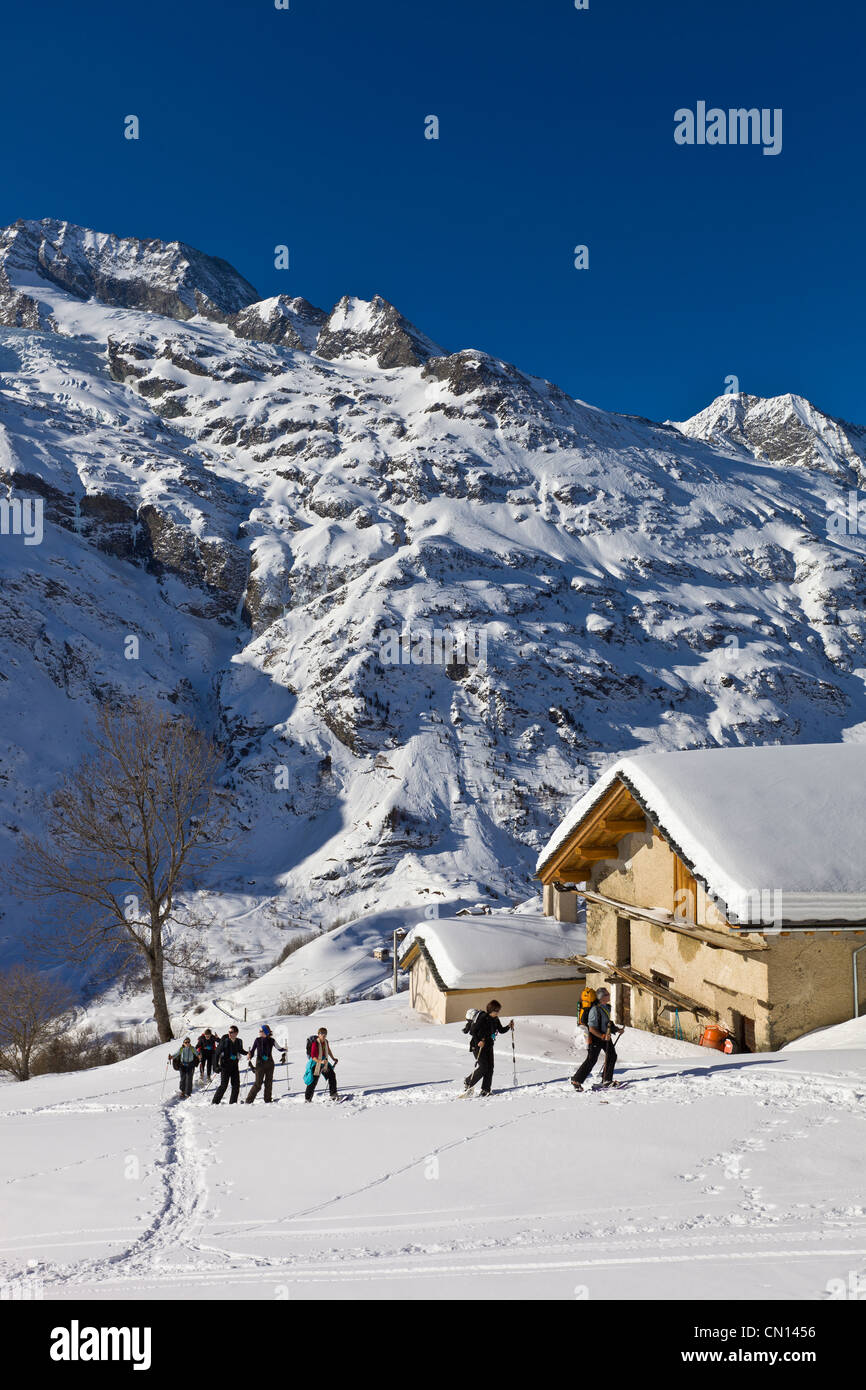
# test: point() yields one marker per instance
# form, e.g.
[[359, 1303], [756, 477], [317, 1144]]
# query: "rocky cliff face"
[[165, 277], [291, 323], [421, 598], [787, 430], [373, 331]]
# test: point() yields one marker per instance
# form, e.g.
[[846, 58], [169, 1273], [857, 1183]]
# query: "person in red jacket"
[[206, 1047], [323, 1062]]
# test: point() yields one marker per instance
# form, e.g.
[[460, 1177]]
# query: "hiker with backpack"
[[206, 1047], [185, 1060], [600, 1027], [483, 1029], [320, 1062], [228, 1056], [587, 999], [263, 1052]]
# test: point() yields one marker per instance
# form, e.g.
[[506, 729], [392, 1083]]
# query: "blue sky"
[[306, 127]]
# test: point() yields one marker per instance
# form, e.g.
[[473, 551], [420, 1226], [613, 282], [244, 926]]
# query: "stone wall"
[[797, 984]]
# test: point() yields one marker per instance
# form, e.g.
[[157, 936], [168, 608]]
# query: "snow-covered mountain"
[[785, 429], [267, 495]]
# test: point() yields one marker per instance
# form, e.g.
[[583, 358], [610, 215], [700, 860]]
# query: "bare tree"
[[34, 1008], [141, 820]]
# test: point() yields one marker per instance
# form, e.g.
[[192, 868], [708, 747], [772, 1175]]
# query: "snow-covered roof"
[[496, 951], [756, 821]]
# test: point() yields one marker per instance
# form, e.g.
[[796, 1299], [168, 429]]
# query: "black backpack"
[[310, 1040], [471, 1015]]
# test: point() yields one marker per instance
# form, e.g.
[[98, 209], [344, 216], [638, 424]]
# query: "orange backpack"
[[587, 999]]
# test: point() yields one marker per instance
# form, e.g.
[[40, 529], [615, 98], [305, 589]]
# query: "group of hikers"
[[593, 1019], [223, 1055]]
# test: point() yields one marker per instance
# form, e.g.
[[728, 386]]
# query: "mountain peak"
[[374, 329], [125, 272], [289, 322], [780, 429]]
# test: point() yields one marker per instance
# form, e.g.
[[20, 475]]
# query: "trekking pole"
[[164, 1078], [513, 1061]]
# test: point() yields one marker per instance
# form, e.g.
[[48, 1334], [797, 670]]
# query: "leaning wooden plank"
[[626, 974], [660, 917]]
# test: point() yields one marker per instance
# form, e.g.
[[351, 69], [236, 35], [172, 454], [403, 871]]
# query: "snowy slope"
[[713, 1177], [268, 495]]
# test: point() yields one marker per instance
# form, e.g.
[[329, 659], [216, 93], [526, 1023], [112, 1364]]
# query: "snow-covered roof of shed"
[[752, 821], [498, 950]]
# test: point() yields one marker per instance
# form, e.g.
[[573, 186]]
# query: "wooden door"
[[625, 1005]]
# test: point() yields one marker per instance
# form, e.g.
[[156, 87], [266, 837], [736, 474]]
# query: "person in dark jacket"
[[206, 1047], [600, 1040], [322, 1062], [482, 1035], [262, 1051], [187, 1060], [228, 1056]]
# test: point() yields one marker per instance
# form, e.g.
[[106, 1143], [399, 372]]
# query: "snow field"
[[708, 1177]]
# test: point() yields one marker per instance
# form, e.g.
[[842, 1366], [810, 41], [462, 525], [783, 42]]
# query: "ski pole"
[[164, 1078], [513, 1060]]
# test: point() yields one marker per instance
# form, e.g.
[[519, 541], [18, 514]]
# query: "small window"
[[623, 941]]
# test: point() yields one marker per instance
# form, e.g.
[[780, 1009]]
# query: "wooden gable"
[[597, 836]]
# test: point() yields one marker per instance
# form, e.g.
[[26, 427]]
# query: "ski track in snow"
[[181, 1168]]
